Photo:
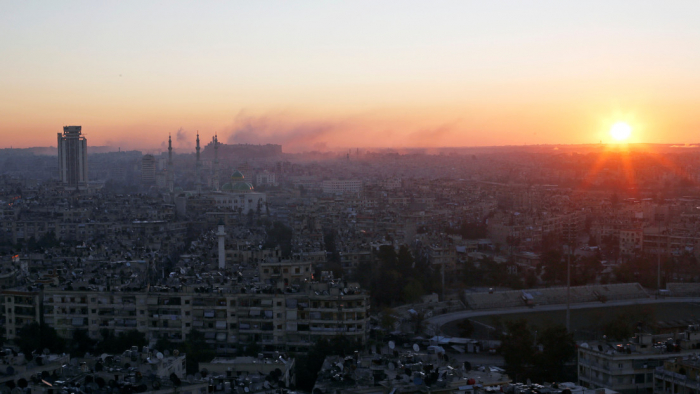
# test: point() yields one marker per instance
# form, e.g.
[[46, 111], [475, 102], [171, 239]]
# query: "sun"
[[620, 131]]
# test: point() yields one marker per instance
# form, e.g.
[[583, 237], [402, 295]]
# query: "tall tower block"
[[222, 245], [170, 176], [72, 158], [198, 169]]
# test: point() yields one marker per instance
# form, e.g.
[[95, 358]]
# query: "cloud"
[[432, 136], [296, 135], [182, 139]]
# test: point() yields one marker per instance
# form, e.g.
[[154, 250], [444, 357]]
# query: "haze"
[[329, 75]]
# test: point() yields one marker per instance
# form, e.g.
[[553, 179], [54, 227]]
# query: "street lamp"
[[568, 290]]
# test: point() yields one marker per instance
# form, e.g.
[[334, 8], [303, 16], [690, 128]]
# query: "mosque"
[[238, 194]]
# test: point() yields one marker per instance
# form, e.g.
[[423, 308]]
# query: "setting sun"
[[620, 131]]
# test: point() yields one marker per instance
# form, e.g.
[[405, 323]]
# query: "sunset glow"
[[620, 131], [339, 75]]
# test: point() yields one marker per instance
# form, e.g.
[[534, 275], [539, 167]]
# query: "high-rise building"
[[148, 170], [72, 158], [170, 182]]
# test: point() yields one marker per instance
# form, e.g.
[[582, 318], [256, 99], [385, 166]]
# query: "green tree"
[[517, 349], [619, 329], [388, 319], [308, 366], [120, 343], [554, 267], [37, 337], [197, 350], [413, 291], [81, 343], [558, 348], [466, 328]]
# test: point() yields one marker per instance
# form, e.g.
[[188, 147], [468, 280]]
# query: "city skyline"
[[318, 76]]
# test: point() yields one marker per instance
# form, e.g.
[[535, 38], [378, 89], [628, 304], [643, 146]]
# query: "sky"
[[328, 75]]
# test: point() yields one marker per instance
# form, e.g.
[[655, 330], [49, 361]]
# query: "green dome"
[[242, 187], [237, 187], [237, 176], [227, 187]]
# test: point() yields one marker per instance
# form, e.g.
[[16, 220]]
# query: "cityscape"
[[389, 225]]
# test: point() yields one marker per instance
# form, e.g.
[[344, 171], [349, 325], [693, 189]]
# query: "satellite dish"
[[190, 378], [166, 353], [198, 376], [392, 366], [392, 345], [246, 389], [176, 352], [159, 356], [416, 347]]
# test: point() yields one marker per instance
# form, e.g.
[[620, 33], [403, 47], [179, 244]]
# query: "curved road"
[[441, 320]]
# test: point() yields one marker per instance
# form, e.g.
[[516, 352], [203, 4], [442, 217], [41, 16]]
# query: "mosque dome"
[[237, 176], [242, 187]]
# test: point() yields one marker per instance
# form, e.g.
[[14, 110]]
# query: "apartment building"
[[629, 366], [337, 186], [291, 319]]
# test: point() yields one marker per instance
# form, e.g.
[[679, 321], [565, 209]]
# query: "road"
[[441, 320]]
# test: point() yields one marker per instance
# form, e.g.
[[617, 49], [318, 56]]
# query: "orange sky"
[[316, 75]]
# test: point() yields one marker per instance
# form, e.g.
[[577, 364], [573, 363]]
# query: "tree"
[[197, 350], [81, 343], [558, 348], [119, 343], [517, 349], [413, 291], [308, 366], [387, 256], [554, 267], [37, 337], [618, 329], [389, 319], [466, 328]]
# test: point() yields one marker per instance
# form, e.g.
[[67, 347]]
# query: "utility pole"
[[568, 291], [443, 281], [658, 273]]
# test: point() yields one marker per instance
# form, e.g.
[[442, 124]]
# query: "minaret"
[[215, 183], [198, 169], [170, 175], [222, 246]]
